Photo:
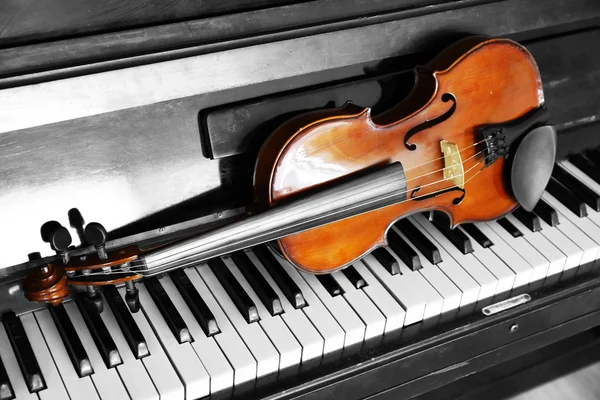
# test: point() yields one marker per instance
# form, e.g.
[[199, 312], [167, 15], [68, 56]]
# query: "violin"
[[470, 140]]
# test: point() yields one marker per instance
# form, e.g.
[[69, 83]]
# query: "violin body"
[[474, 83]]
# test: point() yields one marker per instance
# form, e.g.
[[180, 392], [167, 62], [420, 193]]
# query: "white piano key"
[[160, 369], [12, 368], [286, 344], [307, 335], [400, 286], [537, 261], [339, 309], [573, 253], [55, 389], [579, 174], [132, 371], [107, 381], [77, 388], [486, 281], [182, 355], [267, 358], [363, 307], [523, 271], [467, 285], [213, 358], [330, 330], [554, 256]]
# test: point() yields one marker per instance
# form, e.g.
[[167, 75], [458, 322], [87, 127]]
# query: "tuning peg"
[[96, 235], [132, 296], [59, 238]]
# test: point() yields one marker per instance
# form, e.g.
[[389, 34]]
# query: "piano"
[[145, 116]]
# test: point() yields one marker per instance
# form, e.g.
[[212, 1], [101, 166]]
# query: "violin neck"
[[356, 195]]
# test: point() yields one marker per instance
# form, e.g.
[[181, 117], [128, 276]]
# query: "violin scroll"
[[47, 284]]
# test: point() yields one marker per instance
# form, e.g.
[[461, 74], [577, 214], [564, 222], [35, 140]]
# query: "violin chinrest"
[[532, 165]]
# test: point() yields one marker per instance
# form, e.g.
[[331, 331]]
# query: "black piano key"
[[593, 156], [421, 242], [388, 261], [566, 197], [234, 290], [6, 389], [330, 284], [509, 227], [547, 213], [167, 310], [476, 234], [579, 189], [70, 339], [354, 277], [259, 284], [285, 283], [529, 219], [104, 342], [24, 353], [455, 236], [586, 166], [195, 302], [134, 337], [403, 250]]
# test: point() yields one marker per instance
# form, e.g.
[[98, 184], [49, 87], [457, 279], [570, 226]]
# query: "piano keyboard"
[[243, 321]]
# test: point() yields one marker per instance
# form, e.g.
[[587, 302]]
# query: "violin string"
[[148, 271], [441, 158]]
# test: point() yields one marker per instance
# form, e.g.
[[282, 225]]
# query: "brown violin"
[[470, 140]]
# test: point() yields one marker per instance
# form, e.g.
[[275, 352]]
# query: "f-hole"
[[446, 97], [455, 201]]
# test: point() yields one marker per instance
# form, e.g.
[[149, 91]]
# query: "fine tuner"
[[470, 140]]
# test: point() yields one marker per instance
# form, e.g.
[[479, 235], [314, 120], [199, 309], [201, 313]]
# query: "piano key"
[[403, 250], [168, 310], [537, 261], [106, 380], [127, 325], [577, 187], [71, 342], [13, 371], [352, 325], [392, 311], [546, 213], [25, 356], [182, 356], [586, 166], [567, 198], [402, 286], [159, 367], [455, 236], [582, 176], [267, 358], [239, 297], [286, 284], [529, 219], [354, 277], [258, 283], [370, 315], [414, 236], [104, 341], [132, 372], [306, 334], [196, 304], [331, 332], [224, 355], [509, 227], [55, 389], [78, 386], [593, 156], [285, 343], [554, 256], [476, 234], [330, 285], [383, 256], [6, 389], [573, 253], [467, 285]]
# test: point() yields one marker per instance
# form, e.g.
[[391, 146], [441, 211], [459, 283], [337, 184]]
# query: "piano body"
[[143, 115]]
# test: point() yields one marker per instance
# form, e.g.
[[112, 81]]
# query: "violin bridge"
[[453, 166]]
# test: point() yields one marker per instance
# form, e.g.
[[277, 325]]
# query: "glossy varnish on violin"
[[486, 81]]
